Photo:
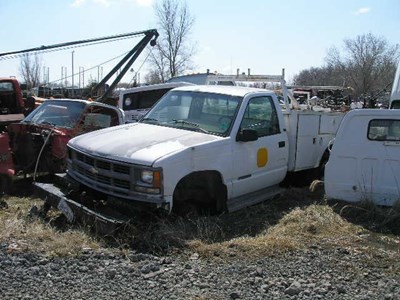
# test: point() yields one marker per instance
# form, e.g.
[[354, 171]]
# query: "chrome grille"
[[101, 174], [121, 169], [104, 165], [111, 177]]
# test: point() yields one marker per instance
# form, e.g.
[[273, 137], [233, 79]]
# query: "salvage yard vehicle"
[[38, 143], [216, 148], [137, 101], [364, 164], [11, 102]]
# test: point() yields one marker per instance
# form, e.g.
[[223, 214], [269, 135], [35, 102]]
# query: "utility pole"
[[72, 91], [66, 77], [81, 80]]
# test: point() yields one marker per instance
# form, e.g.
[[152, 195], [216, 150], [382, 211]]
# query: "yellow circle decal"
[[262, 157]]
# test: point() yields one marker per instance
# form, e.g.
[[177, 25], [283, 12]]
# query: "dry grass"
[[23, 233], [370, 216], [298, 229], [298, 220]]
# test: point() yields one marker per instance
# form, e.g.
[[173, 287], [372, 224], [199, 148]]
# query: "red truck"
[[11, 101], [37, 144]]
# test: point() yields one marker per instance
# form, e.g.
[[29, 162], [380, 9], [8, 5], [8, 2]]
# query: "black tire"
[[5, 185]]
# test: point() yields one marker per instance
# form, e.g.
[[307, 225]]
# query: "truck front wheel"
[[200, 193], [5, 184]]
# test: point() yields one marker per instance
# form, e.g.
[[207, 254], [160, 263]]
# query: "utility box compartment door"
[[307, 141]]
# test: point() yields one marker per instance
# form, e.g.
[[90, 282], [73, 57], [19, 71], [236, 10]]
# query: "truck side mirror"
[[247, 135]]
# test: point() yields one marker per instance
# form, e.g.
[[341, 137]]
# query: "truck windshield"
[[57, 113], [6, 86], [197, 111]]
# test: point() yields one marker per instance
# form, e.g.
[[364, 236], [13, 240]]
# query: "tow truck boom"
[[150, 36]]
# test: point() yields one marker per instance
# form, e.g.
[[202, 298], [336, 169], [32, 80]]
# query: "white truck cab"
[[364, 164], [218, 147]]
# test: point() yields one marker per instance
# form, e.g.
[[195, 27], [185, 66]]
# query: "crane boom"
[[150, 36], [87, 41]]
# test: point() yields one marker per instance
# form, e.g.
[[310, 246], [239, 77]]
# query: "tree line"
[[366, 64]]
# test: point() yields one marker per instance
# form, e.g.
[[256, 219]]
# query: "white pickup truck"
[[217, 147]]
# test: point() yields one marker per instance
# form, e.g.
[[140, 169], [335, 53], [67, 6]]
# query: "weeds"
[[297, 220], [23, 233], [367, 214]]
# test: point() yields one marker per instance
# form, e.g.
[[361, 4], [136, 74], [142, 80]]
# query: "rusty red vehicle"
[[37, 144], [11, 101]]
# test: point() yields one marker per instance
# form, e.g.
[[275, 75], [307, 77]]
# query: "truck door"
[[380, 164], [261, 163]]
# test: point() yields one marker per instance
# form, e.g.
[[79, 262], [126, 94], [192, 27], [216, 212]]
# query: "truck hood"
[[138, 143]]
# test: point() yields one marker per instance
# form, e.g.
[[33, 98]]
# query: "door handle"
[[281, 144]]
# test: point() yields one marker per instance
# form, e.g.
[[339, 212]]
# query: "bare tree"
[[367, 63], [30, 66], [153, 77], [173, 52], [327, 75]]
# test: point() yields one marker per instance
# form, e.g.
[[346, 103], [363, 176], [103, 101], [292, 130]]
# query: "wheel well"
[[324, 157], [203, 189], [322, 163]]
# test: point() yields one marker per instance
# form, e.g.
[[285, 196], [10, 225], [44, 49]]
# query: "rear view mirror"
[[247, 135]]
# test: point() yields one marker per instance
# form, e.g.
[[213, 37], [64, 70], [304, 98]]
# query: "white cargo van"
[[364, 163]]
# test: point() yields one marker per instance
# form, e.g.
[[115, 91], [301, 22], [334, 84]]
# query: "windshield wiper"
[[184, 122], [150, 120], [47, 123]]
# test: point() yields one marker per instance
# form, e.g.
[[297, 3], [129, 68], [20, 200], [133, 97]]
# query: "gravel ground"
[[315, 273]]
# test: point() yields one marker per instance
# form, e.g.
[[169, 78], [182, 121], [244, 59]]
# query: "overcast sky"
[[262, 35]]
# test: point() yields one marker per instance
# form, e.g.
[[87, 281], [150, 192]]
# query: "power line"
[[87, 70], [74, 44], [58, 49]]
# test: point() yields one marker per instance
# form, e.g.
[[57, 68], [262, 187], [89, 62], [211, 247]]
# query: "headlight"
[[151, 177], [149, 182], [147, 176], [128, 101]]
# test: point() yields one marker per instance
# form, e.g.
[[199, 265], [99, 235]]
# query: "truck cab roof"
[[221, 89]]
